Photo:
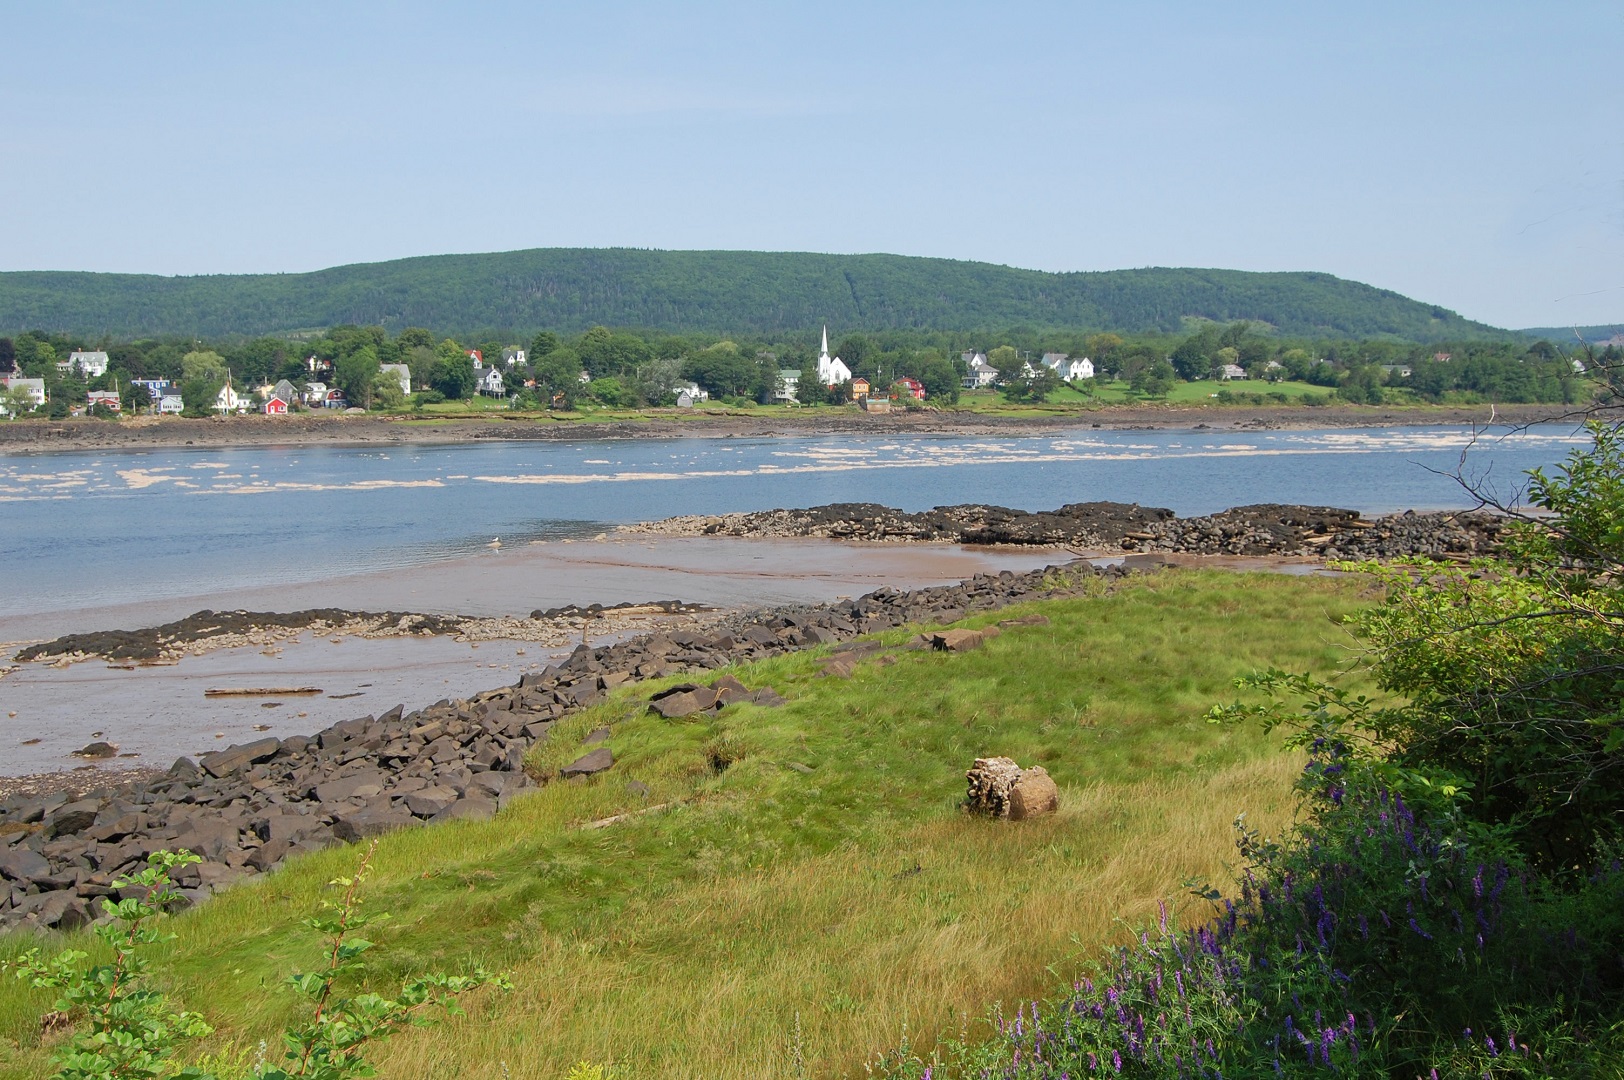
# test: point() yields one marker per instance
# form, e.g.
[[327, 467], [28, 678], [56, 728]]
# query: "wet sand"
[[160, 712]]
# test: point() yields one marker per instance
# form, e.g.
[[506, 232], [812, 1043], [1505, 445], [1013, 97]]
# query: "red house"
[[911, 387], [276, 407]]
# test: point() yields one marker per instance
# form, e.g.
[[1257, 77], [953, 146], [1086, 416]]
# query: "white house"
[[33, 388], [1067, 368], [789, 382], [315, 394], [107, 400], [1231, 371], [831, 371], [491, 384], [512, 356], [982, 374], [401, 372], [227, 401], [170, 405], [693, 392], [91, 365]]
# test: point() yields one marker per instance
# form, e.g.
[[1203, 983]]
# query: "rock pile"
[[246, 808], [1264, 529]]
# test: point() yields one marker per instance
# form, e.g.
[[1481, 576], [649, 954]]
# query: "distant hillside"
[[1564, 334], [570, 289]]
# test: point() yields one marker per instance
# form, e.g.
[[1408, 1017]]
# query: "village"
[[501, 379]]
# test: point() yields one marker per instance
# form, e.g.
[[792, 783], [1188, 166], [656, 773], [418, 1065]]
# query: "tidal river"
[[91, 541], [95, 529]]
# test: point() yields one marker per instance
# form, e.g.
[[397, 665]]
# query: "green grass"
[[857, 898]]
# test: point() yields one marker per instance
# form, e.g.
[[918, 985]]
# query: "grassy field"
[[848, 902]]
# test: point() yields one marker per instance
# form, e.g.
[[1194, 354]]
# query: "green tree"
[[1006, 360], [558, 376], [453, 371], [1034, 387], [386, 393], [1153, 380], [723, 370], [653, 381], [357, 374], [415, 337], [542, 344], [203, 365], [941, 380]]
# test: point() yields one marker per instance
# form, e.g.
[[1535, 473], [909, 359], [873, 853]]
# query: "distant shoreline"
[[31, 436]]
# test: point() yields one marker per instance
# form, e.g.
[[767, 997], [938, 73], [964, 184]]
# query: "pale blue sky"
[[1468, 154]]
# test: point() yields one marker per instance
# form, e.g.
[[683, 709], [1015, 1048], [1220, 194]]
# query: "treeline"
[[623, 368], [570, 290]]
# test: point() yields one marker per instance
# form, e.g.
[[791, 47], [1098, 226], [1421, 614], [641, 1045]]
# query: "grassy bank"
[[850, 900]]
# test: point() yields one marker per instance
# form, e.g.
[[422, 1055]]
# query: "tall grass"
[[844, 903]]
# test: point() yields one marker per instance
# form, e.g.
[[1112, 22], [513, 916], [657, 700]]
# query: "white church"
[[831, 372]]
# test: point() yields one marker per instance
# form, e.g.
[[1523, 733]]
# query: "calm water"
[[87, 529]]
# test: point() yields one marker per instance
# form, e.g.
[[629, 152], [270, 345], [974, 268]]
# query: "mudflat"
[[86, 434]]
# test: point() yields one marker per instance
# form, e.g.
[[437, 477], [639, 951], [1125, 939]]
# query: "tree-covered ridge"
[[570, 289]]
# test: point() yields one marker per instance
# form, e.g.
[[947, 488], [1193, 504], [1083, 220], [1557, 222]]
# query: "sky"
[[1467, 154]]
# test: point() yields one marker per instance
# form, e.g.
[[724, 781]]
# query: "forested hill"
[[570, 289]]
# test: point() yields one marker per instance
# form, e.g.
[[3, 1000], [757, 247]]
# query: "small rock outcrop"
[[1033, 795], [1002, 789]]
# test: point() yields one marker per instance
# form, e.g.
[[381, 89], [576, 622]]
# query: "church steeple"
[[824, 355]]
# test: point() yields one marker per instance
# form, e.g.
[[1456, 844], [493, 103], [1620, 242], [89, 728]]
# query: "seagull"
[[496, 541]]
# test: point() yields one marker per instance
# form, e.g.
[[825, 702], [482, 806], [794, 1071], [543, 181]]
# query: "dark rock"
[[224, 763], [97, 750], [72, 818], [430, 801], [598, 735], [23, 864], [369, 821], [587, 765]]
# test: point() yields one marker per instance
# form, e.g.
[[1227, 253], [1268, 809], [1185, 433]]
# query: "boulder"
[[589, 764], [430, 801], [97, 750], [23, 864], [225, 762], [471, 807], [1033, 795], [71, 818], [370, 821]]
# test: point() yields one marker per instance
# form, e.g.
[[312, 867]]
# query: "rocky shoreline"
[[1099, 528], [24, 436], [248, 807]]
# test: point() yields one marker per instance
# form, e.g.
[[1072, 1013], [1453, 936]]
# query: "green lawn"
[[849, 901]]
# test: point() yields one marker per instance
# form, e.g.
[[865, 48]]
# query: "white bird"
[[496, 541]]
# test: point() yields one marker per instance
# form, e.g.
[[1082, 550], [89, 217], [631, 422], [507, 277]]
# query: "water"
[[93, 529]]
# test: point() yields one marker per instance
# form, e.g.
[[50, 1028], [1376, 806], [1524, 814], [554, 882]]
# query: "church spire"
[[825, 351]]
